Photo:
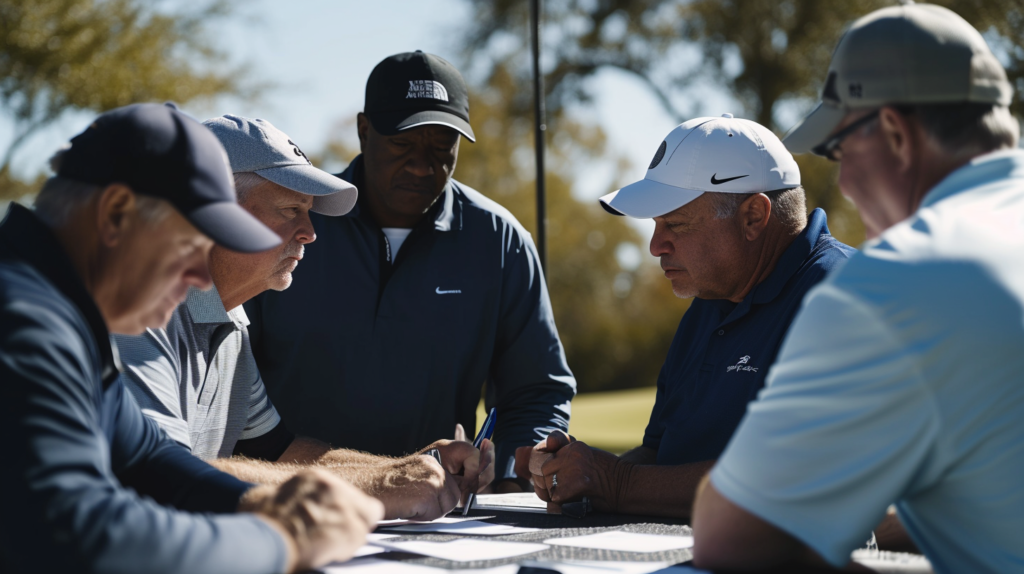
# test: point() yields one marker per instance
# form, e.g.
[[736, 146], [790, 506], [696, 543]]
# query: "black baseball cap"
[[414, 89], [159, 151]]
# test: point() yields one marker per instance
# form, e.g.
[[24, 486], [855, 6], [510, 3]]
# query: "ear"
[[753, 215], [114, 210], [363, 129], [899, 135]]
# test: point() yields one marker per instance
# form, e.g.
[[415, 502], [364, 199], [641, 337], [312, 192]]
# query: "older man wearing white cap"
[[731, 230], [900, 380], [198, 379]]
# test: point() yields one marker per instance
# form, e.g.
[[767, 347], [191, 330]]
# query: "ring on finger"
[[554, 480]]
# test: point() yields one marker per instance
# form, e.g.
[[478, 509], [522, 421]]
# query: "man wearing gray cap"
[[197, 377], [116, 238], [731, 230], [900, 380]]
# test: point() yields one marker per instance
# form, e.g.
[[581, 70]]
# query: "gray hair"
[[789, 206], [966, 128], [245, 182], [60, 198]]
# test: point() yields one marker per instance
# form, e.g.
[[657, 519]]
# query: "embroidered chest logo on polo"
[[741, 365]]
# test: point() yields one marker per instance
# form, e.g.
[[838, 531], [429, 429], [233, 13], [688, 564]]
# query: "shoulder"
[[477, 208], [29, 301]]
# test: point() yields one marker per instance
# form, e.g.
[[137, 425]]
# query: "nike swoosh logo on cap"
[[718, 181], [447, 292]]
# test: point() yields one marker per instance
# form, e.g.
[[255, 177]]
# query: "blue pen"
[[485, 432]]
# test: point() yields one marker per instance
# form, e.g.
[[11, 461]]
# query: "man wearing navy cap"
[[117, 238], [197, 378], [731, 230], [406, 306]]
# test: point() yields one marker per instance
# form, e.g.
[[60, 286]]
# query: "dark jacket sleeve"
[[531, 383], [65, 507]]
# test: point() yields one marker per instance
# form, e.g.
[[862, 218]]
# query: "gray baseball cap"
[[258, 147], [909, 54]]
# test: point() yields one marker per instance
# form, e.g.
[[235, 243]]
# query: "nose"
[[660, 244], [419, 163], [305, 233], [198, 274]]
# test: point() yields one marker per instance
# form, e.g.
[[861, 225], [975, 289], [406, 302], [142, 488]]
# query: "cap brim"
[[232, 227], [815, 128], [646, 199], [331, 194], [392, 123]]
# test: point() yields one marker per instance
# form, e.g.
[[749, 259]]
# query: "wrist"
[[621, 474]]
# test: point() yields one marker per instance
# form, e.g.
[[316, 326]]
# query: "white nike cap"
[[723, 155]]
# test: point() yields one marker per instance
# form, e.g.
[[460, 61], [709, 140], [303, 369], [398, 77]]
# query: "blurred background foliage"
[[614, 309], [97, 55]]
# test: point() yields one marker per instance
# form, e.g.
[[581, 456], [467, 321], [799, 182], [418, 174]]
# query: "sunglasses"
[[828, 147]]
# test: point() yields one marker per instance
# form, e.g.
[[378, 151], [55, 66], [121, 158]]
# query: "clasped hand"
[[563, 469]]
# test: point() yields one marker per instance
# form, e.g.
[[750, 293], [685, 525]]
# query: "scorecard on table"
[[511, 502]]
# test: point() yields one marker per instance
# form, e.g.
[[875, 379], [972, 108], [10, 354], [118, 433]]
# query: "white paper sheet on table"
[[442, 520], [598, 566], [625, 541], [368, 548], [468, 528], [511, 502], [377, 566], [465, 549]]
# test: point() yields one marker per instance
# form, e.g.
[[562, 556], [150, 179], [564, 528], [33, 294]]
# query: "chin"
[[281, 282]]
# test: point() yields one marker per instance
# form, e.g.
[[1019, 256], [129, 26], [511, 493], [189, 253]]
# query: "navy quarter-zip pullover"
[[90, 483], [386, 355], [722, 350]]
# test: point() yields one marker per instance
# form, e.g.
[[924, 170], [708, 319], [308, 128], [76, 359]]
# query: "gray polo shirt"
[[197, 378]]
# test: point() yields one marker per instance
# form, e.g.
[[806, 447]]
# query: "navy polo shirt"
[[386, 354], [722, 351], [88, 480]]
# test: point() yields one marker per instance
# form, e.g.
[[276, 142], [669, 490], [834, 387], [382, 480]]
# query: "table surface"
[[558, 526], [555, 526]]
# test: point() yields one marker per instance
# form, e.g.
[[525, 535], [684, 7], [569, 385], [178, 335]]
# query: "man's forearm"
[[305, 450], [660, 490]]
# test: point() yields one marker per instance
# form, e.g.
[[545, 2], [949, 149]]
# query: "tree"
[[58, 55], [770, 55]]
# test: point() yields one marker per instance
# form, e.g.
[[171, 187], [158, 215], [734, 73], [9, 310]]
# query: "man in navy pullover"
[[404, 308]]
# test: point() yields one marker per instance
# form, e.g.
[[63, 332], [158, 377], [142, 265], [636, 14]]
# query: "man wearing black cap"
[[403, 308], [116, 240]]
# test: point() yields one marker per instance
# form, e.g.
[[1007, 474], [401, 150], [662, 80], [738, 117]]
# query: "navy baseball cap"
[[160, 152], [414, 89]]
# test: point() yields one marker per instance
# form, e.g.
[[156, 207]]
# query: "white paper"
[[625, 541], [511, 502], [465, 549], [369, 548], [377, 566], [468, 528], [598, 567], [442, 520]]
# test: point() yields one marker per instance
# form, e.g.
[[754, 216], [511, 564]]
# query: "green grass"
[[613, 421]]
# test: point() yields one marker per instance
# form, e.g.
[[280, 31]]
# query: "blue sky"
[[319, 53]]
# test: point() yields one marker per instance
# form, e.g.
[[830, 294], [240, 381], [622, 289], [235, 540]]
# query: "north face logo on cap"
[[427, 89]]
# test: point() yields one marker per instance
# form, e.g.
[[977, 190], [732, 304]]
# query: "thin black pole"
[[538, 133]]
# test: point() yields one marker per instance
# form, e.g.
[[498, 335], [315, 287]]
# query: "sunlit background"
[[620, 74]]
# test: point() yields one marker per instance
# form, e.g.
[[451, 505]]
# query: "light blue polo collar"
[[994, 166]]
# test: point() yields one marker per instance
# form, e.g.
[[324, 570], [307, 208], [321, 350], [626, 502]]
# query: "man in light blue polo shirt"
[[901, 378]]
